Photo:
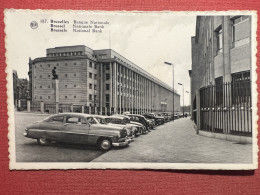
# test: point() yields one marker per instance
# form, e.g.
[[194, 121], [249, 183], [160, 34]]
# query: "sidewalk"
[[177, 142]]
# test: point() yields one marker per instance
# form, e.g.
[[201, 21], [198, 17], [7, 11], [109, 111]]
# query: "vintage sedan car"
[[119, 122], [158, 119], [140, 119], [77, 128], [140, 127]]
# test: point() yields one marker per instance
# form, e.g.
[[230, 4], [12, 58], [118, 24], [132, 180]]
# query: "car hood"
[[109, 126]]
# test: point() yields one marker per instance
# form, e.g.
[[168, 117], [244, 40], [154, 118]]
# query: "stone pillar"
[[105, 110], [120, 88], [95, 110], [57, 107], [19, 103], [90, 110], [198, 110], [55, 86], [42, 107], [82, 109], [28, 106], [101, 86], [111, 85], [115, 86], [71, 107]]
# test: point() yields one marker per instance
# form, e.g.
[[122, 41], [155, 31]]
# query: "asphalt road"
[[27, 150]]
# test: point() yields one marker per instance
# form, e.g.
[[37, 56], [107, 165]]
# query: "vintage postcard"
[[131, 90]]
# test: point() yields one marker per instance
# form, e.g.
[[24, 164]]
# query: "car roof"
[[72, 114]]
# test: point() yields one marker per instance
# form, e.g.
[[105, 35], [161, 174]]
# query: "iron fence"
[[226, 108]]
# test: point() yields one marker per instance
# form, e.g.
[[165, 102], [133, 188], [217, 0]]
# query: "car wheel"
[[43, 141], [105, 144]]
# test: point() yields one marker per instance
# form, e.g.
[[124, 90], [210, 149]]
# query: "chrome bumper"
[[125, 143]]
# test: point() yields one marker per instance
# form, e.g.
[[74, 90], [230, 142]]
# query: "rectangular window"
[[95, 87], [90, 75], [240, 31], [90, 86], [219, 91], [241, 88], [90, 64], [219, 39], [107, 76], [107, 98], [107, 66], [95, 66], [90, 96], [95, 76], [107, 87], [95, 97]]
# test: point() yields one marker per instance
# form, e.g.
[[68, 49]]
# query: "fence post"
[[198, 110], [19, 103], [42, 107], [82, 109], [57, 107], [71, 108], [28, 106]]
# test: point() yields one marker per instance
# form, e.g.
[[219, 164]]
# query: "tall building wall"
[[220, 49]]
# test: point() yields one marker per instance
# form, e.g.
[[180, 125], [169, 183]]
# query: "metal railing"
[[226, 108]]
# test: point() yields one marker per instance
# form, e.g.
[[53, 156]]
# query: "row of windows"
[[49, 76], [49, 86], [90, 75], [91, 65], [91, 97], [49, 65], [49, 97], [90, 86], [65, 54]]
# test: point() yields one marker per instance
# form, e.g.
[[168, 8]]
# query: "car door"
[[75, 130], [51, 128]]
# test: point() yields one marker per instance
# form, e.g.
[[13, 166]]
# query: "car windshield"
[[115, 121], [101, 120]]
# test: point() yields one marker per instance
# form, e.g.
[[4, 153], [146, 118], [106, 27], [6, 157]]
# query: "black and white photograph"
[[131, 90]]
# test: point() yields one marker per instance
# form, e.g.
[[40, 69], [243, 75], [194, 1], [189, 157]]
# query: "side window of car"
[[91, 120], [72, 120], [58, 119]]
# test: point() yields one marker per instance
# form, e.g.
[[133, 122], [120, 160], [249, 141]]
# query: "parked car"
[[119, 121], [158, 119], [140, 119], [141, 128], [77, 128]]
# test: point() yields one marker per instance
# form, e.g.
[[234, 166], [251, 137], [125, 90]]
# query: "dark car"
[[140, 119], [158, 119], [77, 128]]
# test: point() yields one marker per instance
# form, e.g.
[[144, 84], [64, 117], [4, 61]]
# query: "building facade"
[[221, 62], [98, 78]]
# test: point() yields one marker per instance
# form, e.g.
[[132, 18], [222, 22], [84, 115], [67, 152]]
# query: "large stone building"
[[221, 62], [100, 78]]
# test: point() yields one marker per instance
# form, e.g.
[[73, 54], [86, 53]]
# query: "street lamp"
[[168, 63], [182, 98]]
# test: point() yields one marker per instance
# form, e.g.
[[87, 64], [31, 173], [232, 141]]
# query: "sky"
[[147, 39]]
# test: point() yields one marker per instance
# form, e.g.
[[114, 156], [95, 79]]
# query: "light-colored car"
[[77, 128]]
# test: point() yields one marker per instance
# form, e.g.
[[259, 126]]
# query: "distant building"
[[100, 78], [20, 88], [221, 58]]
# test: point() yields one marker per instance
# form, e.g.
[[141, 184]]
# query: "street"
[[173, 142]]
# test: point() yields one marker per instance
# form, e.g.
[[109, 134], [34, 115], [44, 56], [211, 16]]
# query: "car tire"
[[105, 144], [43, 141]]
